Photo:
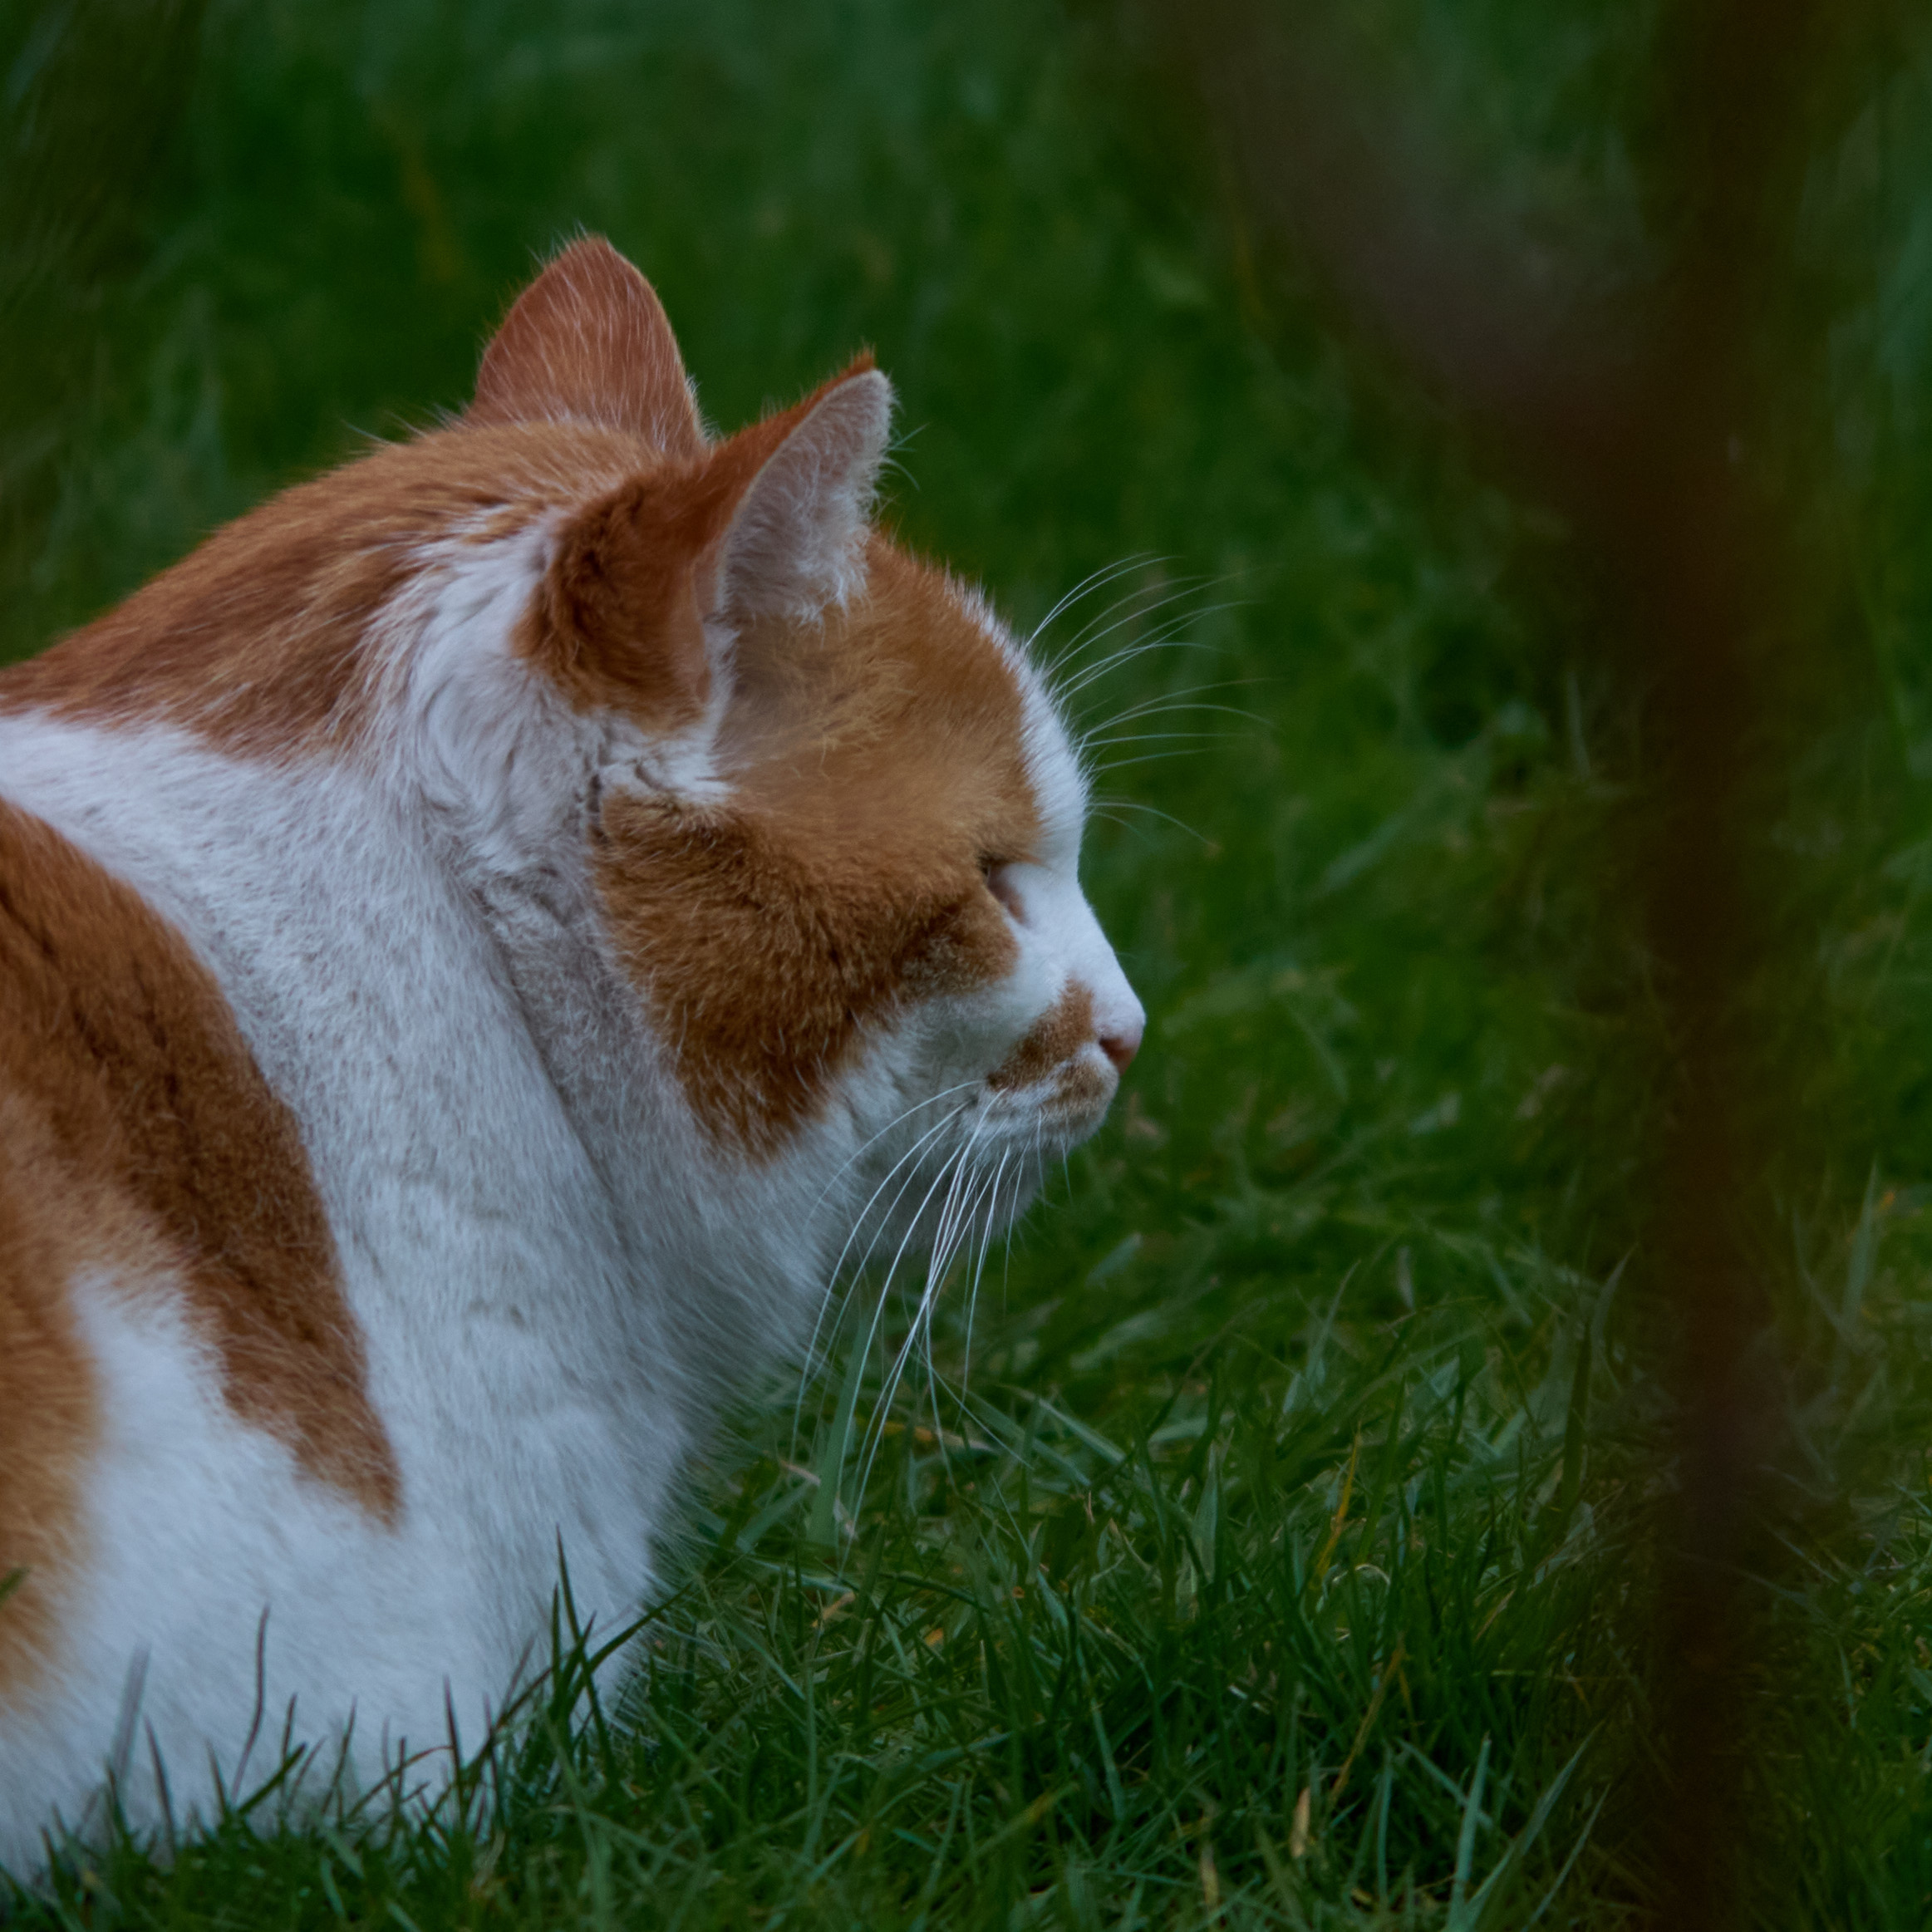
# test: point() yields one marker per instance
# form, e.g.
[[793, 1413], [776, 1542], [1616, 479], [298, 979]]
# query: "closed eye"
[[998, 873]]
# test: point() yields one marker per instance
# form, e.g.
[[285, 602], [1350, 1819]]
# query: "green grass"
[[1276, 1554]]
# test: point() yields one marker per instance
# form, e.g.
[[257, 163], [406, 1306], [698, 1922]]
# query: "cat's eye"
[[998, 873]]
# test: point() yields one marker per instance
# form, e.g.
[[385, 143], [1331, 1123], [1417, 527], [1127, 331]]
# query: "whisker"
[[1154, 583], [954, 1218], [1137, 605], [1172, 634], [1157, 738], [943, 1254], [959, 1221], [1141, 604], [810, 1366], [1142, 647], [1140, 836], [980, 1267], [1107, 807], [1154, 714], [911, 1153], [946, 1169], [1195, 698], [1012, 1227], [1184, 588], [1094, 580], [1102, 767], [872, 1139]]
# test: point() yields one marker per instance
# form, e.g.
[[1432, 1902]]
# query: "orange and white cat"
[[475, 939]]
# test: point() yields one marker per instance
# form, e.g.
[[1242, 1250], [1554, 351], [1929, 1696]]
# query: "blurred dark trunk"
[[1632, 412]]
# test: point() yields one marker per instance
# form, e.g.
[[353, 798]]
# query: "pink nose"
[[1120, 1047]]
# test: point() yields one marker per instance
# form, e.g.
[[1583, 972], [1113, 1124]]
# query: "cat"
[[476, 938]]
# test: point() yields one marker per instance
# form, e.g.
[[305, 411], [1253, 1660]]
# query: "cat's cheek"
[[765, 968], [972, 988], [968, 948]]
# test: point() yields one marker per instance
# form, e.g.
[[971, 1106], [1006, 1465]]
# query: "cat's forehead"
[[914, 694]]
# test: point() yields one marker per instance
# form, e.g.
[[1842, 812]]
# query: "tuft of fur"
[[479, 941]]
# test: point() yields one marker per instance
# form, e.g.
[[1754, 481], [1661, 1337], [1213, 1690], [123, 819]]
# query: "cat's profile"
[[475, 937]]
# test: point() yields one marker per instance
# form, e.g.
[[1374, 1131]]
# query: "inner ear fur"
[[589, 342], [772, 522]]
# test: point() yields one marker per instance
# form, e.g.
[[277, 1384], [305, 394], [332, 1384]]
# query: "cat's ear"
[[768, 524], [771, 522], [589, 342], [798, 488]]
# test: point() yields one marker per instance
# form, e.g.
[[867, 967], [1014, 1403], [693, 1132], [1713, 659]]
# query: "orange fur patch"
[[49, 1407], [260, 640], [149, 1137], [876, 762], [1060, 1034]]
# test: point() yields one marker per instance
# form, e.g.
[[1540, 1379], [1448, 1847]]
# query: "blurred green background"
[[1286, 1565]]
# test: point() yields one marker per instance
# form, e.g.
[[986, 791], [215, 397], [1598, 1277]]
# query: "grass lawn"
[[1268, 1543]]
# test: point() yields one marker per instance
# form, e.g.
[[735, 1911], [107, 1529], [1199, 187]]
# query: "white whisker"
[[1107, 807], [809, 1369], [1102, 768], [872, 1139], [979, 1266], [1094, 580], [1175, 628], [1173, 703], [944, 1247], [947, 1170], [1145, 646], [1137, 606], [1155, 738]]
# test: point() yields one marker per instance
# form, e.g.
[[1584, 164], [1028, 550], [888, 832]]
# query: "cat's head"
[[837, 827]]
